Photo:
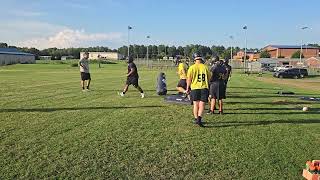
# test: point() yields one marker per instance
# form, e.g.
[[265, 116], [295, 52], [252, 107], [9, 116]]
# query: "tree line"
[[140, 51]]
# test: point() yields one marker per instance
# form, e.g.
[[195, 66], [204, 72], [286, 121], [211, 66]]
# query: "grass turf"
[[50, 129]]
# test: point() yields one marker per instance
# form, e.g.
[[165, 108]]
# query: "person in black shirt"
[[217, 86], [132, 78], [229, 71]]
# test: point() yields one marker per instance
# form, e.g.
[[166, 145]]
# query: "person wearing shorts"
[[182, 84], [132, 78], [197, 80], [84, 72], [217, 86]]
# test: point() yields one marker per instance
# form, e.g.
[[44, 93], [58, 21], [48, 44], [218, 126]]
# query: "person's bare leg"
[[195, 109], [202, 105], [88, 83], [181, 90], [213, 104], [82, 85], [125, 89], [220, 105], [139, 89]]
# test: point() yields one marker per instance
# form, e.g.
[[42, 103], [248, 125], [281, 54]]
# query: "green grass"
[[50, 129]]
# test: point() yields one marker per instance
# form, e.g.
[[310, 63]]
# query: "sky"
[[79, 23]]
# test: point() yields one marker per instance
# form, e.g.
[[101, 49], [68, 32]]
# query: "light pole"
[[148, 37], [303, 28], [245, 50], [231, 54], [129, 28]]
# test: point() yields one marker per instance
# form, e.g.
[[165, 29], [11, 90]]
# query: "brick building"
[[252, 55], [285, 51]]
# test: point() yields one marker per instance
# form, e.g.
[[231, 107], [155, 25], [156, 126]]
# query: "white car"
[[282, 68]]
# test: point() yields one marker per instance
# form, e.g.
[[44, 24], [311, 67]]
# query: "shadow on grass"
[[255, 88], [74, 109], [258, 96], [272, 109], [270, 103], [258, 123]]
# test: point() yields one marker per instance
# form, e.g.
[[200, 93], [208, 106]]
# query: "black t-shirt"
[[218, 72], [229, 69], [134, 67]]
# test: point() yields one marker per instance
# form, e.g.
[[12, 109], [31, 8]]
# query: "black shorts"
[[182, 83], [200, 95], [85, 76], [218, 90], [133, 81]]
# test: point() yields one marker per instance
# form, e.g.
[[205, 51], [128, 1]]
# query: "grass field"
[[50, 129]]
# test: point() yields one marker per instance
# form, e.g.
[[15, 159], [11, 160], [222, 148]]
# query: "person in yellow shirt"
[[182, 72], [198, 80]]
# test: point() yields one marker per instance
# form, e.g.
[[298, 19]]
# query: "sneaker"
[[121, 94], [200, 123], [221, 112], [142, 95], [195, 121], [87, 90], [210, 112], [83, 90]]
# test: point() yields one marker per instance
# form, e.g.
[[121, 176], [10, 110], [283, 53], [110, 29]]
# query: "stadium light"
[[231, 37], [129, 28], [303, 28], [245, 50], [148, 37]]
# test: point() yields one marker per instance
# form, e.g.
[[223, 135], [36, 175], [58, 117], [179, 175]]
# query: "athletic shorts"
[[133, 81], [200, 95], [218, 90], [85, 76], [182, 83]]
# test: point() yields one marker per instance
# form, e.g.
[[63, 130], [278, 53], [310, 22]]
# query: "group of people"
[[132, 75], [202, 84], [198, 82]]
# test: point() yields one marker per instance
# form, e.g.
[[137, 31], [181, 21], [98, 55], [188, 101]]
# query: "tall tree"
[[265, 54]]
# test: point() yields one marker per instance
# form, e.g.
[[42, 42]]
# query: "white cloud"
[[21, 13], [71, 38]]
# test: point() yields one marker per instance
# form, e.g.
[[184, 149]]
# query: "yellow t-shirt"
[[199, 73], [182, 71]]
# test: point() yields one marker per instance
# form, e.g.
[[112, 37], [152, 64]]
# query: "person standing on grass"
[[198, 80], [132, 78], [228, 73], [84, 72], [217, 86], [182, 72]]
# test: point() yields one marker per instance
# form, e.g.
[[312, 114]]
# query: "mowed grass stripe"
[[100, 135]]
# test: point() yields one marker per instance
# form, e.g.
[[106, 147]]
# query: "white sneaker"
[[121, 94], [142, 95], [83, 90]]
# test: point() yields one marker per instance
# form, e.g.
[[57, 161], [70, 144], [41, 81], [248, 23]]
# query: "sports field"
[[50, 129]]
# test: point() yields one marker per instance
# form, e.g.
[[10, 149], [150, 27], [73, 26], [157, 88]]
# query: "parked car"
[[268, 68], [282, 68], [291, 73]]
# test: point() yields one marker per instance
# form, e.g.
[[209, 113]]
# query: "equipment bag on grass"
[[161, 84]]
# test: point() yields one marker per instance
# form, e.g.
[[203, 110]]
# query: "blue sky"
[[74, 23]]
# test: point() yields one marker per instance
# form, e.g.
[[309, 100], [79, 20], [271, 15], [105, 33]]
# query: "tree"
[[187, 51], [154, 51], [161, 49], [123, 50], [180, 51], [297, 55], [265, 54], [3, 45], [172, 51]]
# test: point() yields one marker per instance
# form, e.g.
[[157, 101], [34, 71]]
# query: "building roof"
[[292, 47], [13, 51]]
